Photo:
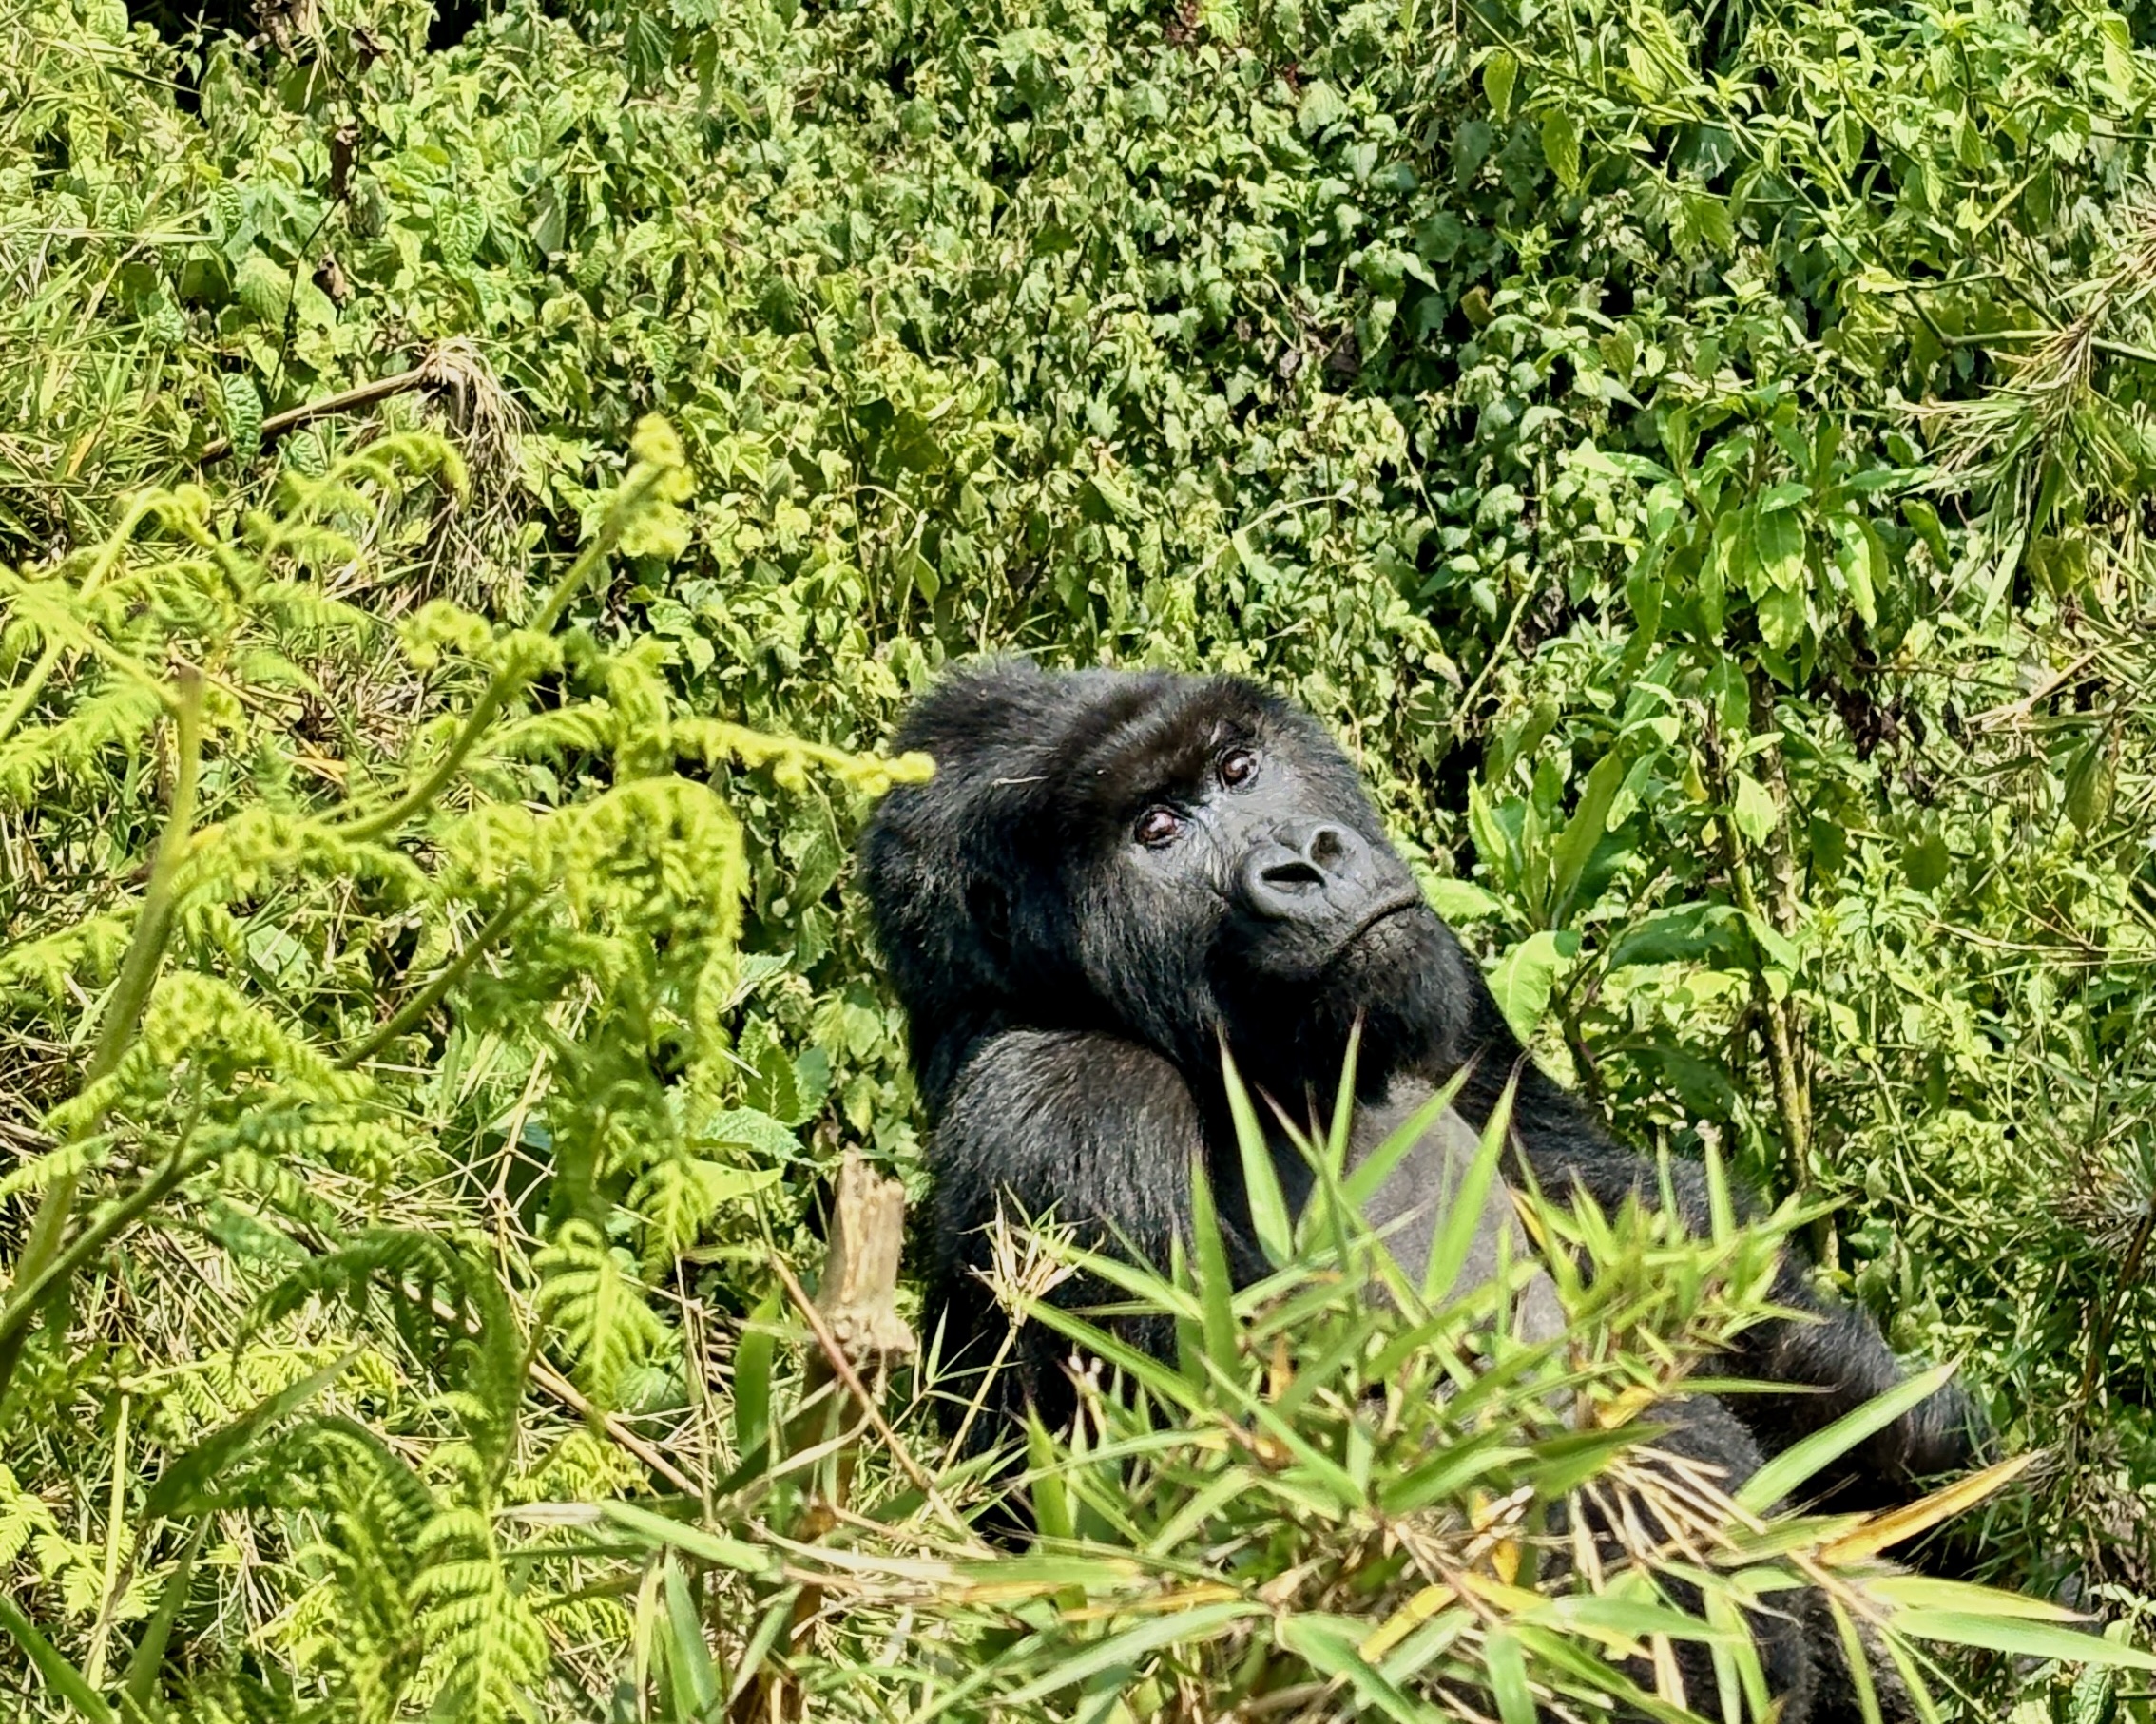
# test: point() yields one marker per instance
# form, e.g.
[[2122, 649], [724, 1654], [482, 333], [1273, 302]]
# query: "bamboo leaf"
[[1454, 1237], [1781, 1475], [1186, 1628], [1261, 1179]]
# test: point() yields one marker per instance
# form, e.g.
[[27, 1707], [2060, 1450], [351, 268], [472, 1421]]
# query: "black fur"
[[1067, 981]]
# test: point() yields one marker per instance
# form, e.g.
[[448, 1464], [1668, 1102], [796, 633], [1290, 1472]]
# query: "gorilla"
[[1110, 874]]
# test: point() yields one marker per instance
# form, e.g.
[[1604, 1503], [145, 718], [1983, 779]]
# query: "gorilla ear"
[[989, 911]]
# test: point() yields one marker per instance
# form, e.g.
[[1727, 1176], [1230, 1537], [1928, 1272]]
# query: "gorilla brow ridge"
[[1163, 749]]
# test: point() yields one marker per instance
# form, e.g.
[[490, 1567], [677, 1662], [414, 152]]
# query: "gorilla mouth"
[[1407, 898]]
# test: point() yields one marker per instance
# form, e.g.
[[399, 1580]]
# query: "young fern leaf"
[[485, 1649], [587, 1292]]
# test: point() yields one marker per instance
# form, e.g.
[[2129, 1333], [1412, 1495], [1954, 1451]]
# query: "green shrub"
[[1696, 458]]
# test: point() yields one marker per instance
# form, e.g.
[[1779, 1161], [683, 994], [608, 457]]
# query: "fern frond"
[[588, 1291], [678, 1197], [448, 1307], [485, 1649], [118, 719], [67, 1161]]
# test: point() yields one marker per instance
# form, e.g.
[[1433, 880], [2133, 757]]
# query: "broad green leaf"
[[1499, 74], [1526, 976], [1320, 107], [1582, 832], [1867, 569], [2089, 779], [1460, 900], [243, 405], [1561, 146], [1753, 809], [264, 287], [1782, 617], [1679, 934], [1926, 860]]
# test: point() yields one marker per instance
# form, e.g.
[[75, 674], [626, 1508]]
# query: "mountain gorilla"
[[1110, 872]]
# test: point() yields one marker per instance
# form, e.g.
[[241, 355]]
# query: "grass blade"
[[1800, 1460], [141, 1682], [1455, 1237], [62, 1677], [1261, 1179], [695, 1680]]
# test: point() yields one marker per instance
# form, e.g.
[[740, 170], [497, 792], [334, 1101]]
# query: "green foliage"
[[243, 1088], [1347, 1485], [1696, 457]]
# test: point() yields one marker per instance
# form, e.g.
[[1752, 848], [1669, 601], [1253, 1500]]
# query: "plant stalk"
[[123, 1018], [410, 1014], [1780, 1048], [507, 680]]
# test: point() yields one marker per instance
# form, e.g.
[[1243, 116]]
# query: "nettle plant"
[[311, 963]]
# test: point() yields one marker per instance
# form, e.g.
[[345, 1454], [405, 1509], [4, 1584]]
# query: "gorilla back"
[[1109, 874]]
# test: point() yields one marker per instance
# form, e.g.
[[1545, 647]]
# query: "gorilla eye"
[[1157, 827], [1237, 766]]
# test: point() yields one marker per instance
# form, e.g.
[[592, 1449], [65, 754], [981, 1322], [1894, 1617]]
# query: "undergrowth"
[[1697, 458]]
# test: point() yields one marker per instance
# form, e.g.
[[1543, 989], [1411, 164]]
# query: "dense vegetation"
[[1695, 456]]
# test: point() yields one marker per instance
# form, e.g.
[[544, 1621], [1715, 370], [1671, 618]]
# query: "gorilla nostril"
[[1328, 847], [1292, 874]]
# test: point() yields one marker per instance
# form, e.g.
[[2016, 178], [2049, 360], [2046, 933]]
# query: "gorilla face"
[[1268, 883], [1169, 858], [1287, 891]]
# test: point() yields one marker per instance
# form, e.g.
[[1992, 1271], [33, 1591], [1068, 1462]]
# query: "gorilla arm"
[[1832, 1355], [1086, 1128]]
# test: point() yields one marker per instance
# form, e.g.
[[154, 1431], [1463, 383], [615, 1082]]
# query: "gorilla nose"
[[1305, 869]]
